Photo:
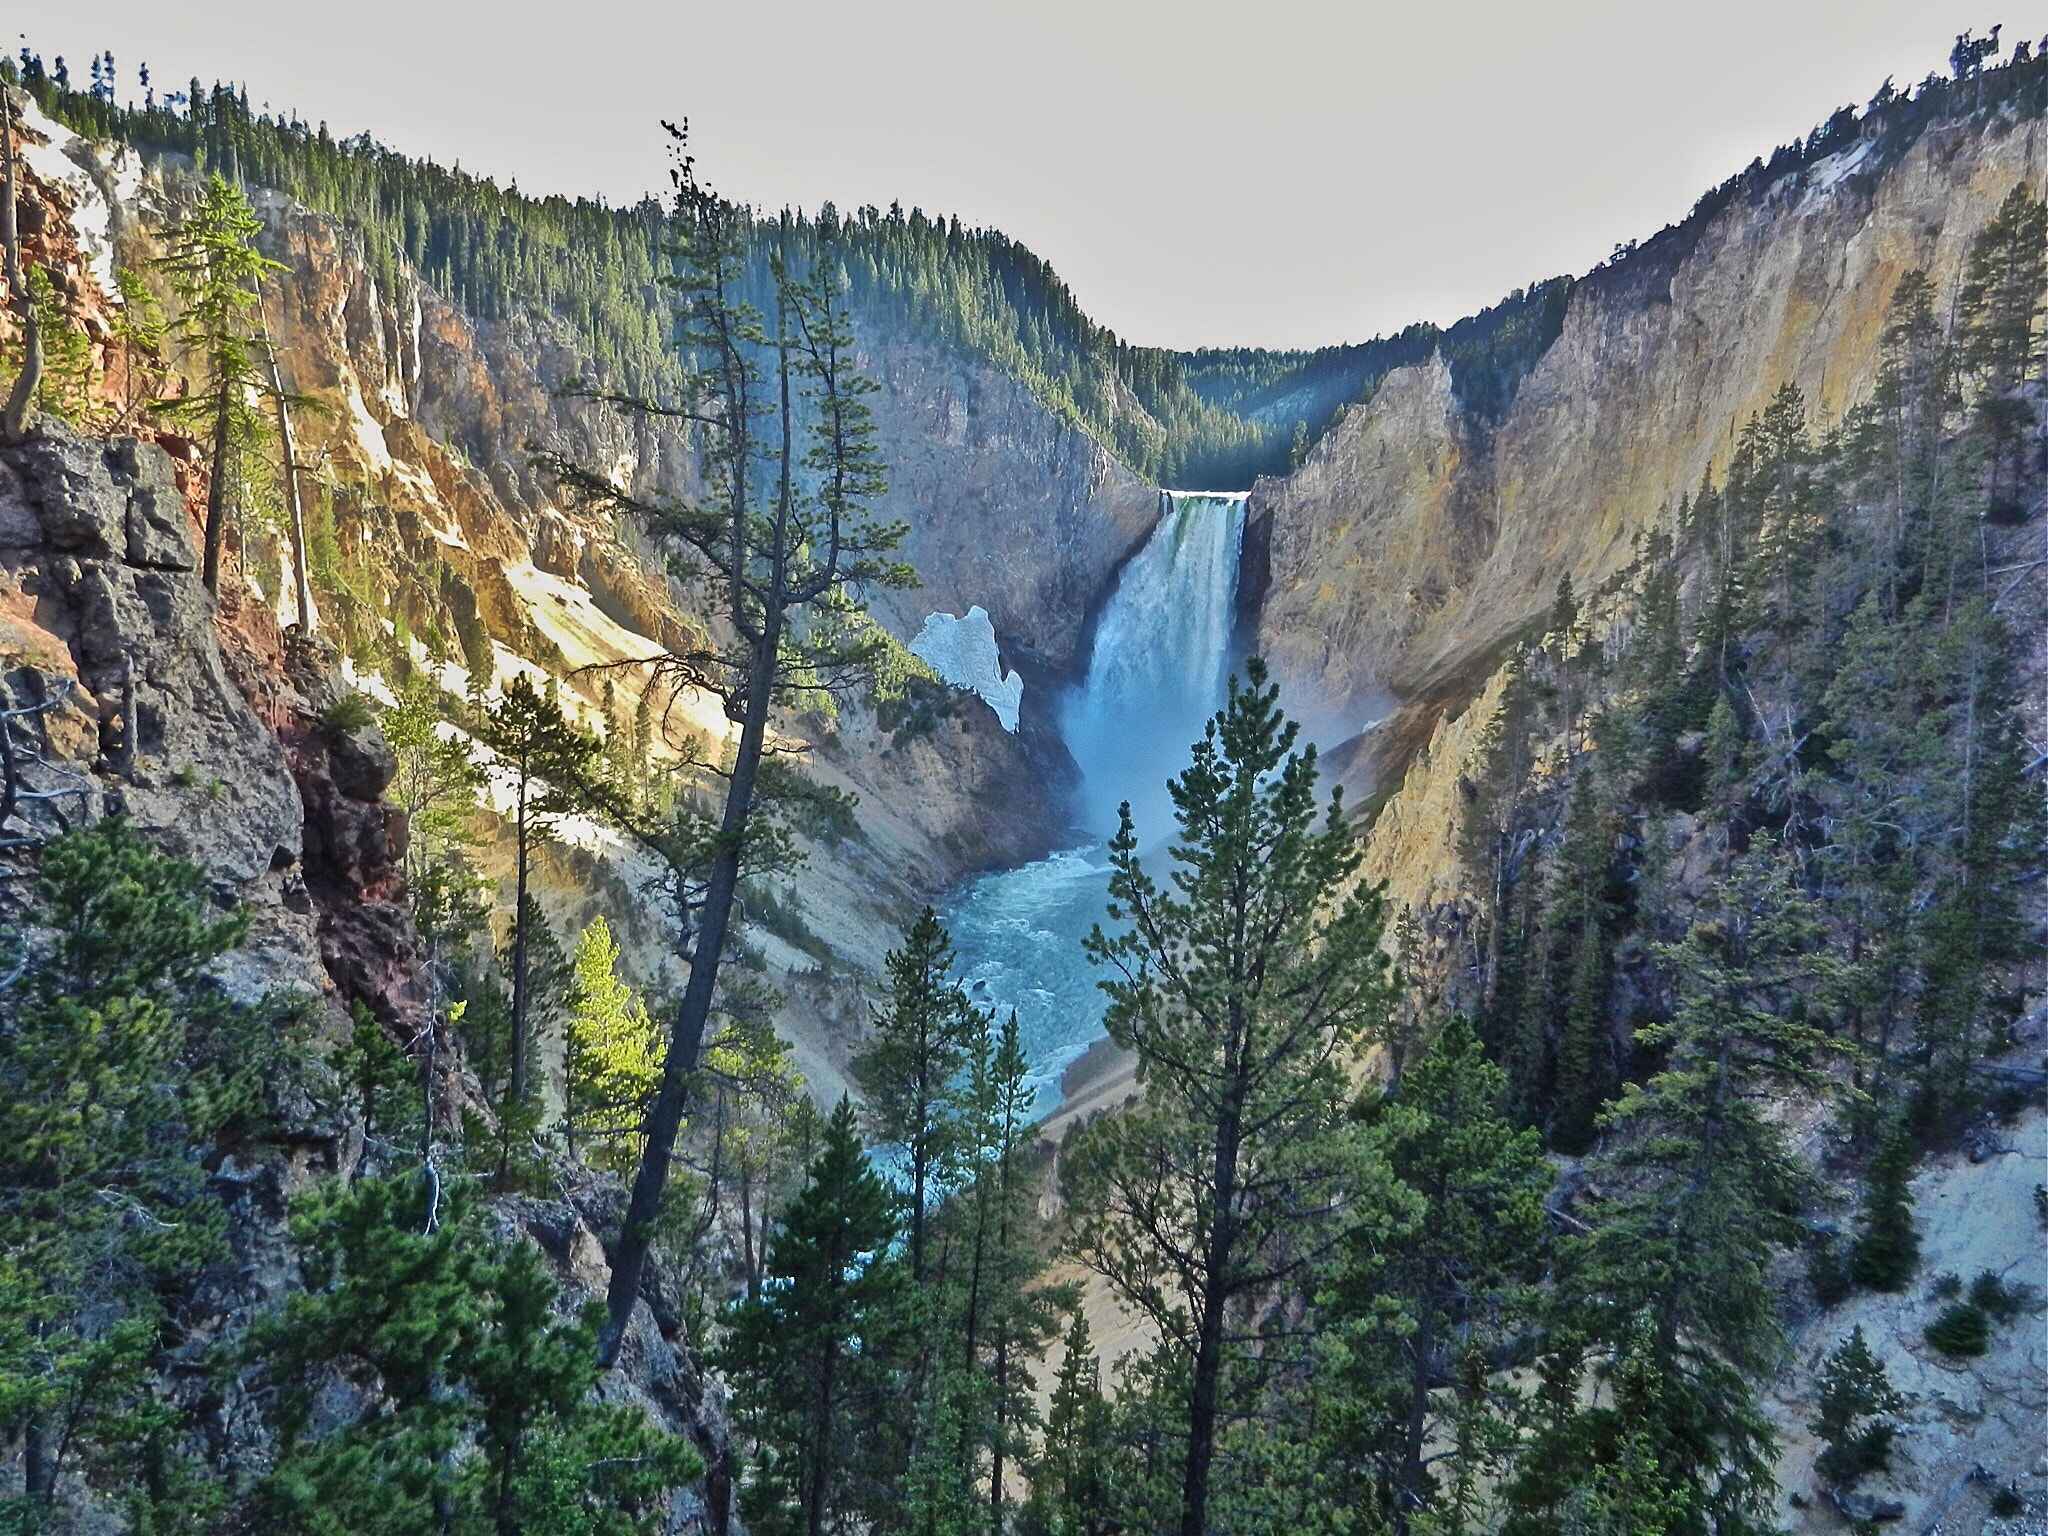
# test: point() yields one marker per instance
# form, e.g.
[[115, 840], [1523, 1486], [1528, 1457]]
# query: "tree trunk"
[[821, 1450], [20, 412], [302, 591], [38, 1458], [515, 1066], [693, 1014], [1203, 1394], [217, 487], [1408, 1496]]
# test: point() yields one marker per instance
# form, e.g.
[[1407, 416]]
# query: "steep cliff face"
[[1412, 543], [1007, 506]]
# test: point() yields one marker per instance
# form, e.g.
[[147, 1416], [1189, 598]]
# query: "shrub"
[[1962, 1330], [348, 714], [1999, 1301]]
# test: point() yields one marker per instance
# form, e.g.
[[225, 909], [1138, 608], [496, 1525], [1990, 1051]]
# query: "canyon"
[[1387, 581]]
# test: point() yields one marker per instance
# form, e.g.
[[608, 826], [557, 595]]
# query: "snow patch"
[[92, 217], [1833, 171], [963, 652]]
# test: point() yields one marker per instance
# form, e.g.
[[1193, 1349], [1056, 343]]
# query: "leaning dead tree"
[[20, 410], [783, 544]]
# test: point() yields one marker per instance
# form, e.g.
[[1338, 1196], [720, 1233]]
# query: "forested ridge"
[[1423, 1223]]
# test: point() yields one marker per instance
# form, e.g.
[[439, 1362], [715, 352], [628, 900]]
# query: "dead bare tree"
[[20, 412]]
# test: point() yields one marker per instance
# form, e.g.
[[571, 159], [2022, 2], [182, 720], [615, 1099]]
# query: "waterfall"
[[1157, 669], [1155, 675]]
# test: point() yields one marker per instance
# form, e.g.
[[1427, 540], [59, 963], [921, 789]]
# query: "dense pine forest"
[[490, 249], [1497, 1227]]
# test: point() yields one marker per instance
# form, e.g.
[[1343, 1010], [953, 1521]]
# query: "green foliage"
[[1887, 1248], [123, 1070], [477, 1408], [548, 763], [214, 267], [1242, 990], [1998, 313], [1418, 1301], [1962, 1329], [909, 1067], [1856, 1400], [66, 390], [1071, 1493], [2001, 1300], [811, 1354], [611, 1057], [1674, 1275], [350, 712], [439, 785]]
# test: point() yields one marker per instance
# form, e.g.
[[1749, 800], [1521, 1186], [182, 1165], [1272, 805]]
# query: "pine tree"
[[1577, 917], [19, 413], [1071, 1479], [1242, 990], [545, 761], [786, 546], [1674, 1276], [1440, 1284], [1998, 313], [1855, 1398], [213, 264], [909, 1069], [1887, 1247], [455, 1335], [121, 1068], [439, 786], [810, 1356], [610, 1057]]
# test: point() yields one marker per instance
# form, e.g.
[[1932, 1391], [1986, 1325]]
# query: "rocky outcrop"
[[99, 597]]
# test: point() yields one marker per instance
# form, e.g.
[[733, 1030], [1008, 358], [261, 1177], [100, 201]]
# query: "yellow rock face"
[[1409, 545], [1412, 548]]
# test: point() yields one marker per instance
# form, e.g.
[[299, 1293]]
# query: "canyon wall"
[[1414, 544]]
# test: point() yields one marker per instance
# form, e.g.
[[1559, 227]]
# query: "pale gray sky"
[[1287, 172]]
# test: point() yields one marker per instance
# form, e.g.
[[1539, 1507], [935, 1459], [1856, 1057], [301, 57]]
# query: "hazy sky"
[[1278, 173]]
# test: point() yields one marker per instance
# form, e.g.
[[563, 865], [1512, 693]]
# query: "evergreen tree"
[[1578, 915], [1856, 1396], [1416, 1299], [810, 1355], [439, 786], [121, 1069], [1242, 990], [1070, 1481], [1674, 1277], [456, 1335], [22, 395], [611, 1056], [909, 1070], [1998, 313], [1887, 1247], [544, 760], [785, 545], [213, 264]]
